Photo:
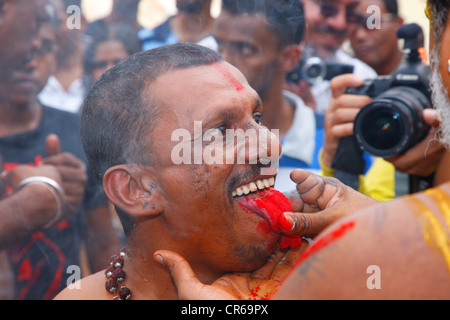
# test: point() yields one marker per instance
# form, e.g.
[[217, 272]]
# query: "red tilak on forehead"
[[234, 82]]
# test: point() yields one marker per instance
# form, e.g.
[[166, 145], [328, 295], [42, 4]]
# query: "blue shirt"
[[161, 35]]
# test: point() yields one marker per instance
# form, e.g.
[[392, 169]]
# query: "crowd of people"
[[90, 191]]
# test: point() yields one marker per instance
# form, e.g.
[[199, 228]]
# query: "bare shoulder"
[[90, 288], [395, 250]]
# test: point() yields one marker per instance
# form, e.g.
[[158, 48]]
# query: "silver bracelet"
[[55, 189]]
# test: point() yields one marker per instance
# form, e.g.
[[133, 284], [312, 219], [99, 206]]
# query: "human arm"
[[320, 201], [443, 171], [29, 209], [424, 158], [388, 251], [72, 171], [341, 113]]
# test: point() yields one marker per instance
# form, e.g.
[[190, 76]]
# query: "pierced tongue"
[[269, 203]]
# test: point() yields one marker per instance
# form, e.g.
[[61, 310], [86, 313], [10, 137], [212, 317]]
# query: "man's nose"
[[357, 32], [339, 21]]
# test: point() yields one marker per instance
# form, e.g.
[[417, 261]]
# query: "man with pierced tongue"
[[361, 249], [271, 204], [141, 134]]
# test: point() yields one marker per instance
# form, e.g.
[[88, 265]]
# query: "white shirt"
[[53, 95], [322, 90], [209, 42], [299, 142]]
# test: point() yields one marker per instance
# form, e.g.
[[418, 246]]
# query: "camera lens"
[[392, 123], [314, 69], [383, 128]]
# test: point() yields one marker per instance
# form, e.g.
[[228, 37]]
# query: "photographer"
[[381, 182], [408, 171], [327, 23], [378, 45]]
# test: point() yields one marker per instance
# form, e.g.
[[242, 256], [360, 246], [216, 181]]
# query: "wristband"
[[55, 189]]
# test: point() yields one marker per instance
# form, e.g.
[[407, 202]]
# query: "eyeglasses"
[[330, 9]]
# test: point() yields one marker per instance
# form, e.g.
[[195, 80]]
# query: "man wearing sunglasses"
[[376, 44], [327, 22]]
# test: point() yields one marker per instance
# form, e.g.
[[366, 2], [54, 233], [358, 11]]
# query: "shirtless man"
[[406, 241], [203, 210]]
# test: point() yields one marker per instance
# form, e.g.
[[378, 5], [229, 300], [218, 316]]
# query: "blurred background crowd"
[[111, 31]]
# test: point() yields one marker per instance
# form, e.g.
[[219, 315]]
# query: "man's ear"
[[291, 56], [132, 190]]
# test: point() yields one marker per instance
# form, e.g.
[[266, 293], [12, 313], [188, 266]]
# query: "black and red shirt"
[[40, 262]]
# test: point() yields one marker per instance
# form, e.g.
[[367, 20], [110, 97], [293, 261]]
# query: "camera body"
[[313, 69], [393, 122]]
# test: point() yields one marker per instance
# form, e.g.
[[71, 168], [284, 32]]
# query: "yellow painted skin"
[[435, 232]]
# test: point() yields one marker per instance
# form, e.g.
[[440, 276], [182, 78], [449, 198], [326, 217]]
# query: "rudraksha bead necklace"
[[116, 278]]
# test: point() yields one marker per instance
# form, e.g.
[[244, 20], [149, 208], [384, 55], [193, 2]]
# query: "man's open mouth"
[[253, 187]]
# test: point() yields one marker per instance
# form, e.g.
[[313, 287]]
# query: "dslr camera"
[[393, 122], [313, 69]]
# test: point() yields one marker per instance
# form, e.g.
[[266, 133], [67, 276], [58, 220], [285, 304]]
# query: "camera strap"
[[348, 162]]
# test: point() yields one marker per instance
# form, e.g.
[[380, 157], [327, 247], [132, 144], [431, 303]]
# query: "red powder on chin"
[[271, 204]]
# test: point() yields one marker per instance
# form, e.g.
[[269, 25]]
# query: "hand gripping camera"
[[392, 123]]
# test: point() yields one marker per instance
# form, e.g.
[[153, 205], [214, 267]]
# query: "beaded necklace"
[[116, 278]]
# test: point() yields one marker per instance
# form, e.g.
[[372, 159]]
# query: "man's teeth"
[[253, 187]]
